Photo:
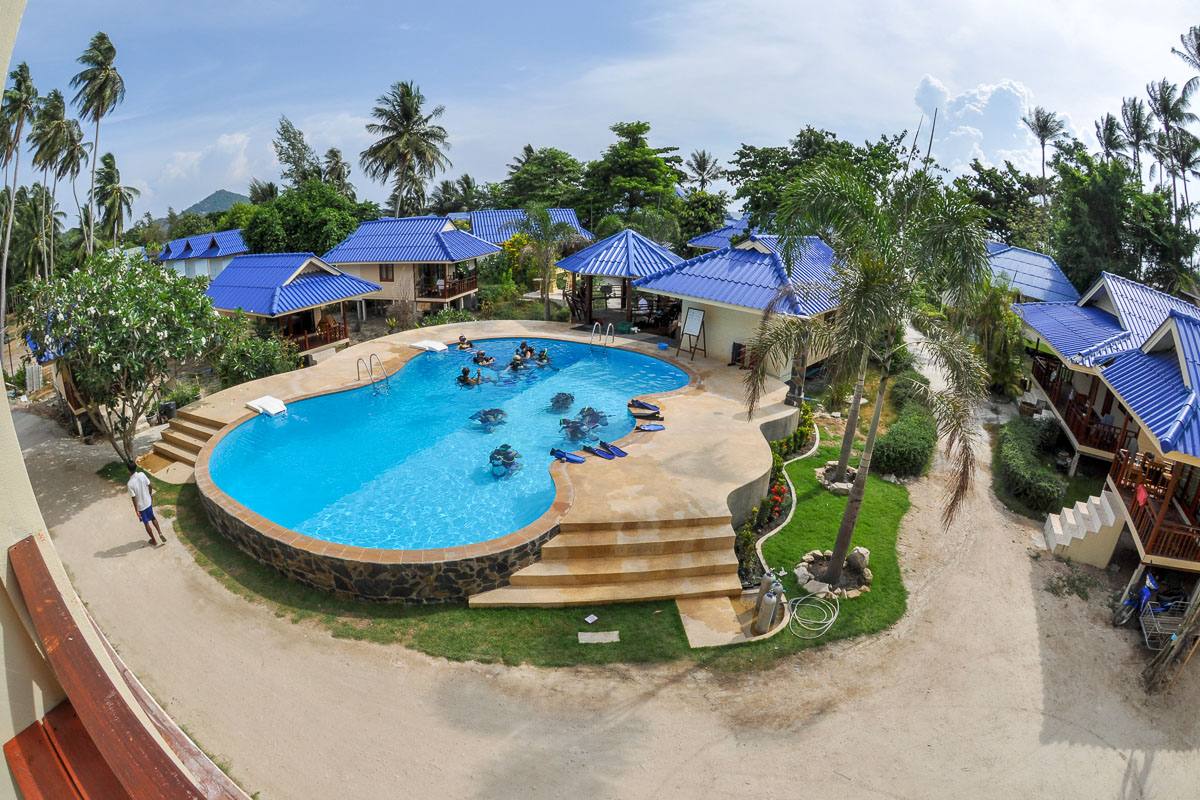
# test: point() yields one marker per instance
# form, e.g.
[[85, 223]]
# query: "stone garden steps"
[[175, 453], [183, 440], [596, 593], [626, 569], [638, 541], [184, 436]]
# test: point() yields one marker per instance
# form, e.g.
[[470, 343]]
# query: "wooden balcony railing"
[[1145, 486], [327, 334], [452, 288], [1087, 430]]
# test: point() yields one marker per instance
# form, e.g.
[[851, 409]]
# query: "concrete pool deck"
[[657, 524]]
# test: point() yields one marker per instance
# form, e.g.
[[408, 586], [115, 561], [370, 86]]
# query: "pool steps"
[[184, 436], [625, 563]]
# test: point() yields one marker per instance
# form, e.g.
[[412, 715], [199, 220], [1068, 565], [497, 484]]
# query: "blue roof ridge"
[[1189, 409], [274, 306], [1100, 345]]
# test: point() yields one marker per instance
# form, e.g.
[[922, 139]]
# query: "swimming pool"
[[408, 470]]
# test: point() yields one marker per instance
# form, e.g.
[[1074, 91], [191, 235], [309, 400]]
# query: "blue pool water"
[[408, 470]]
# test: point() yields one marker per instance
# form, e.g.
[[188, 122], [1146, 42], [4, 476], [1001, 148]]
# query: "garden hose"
[[822, 616]]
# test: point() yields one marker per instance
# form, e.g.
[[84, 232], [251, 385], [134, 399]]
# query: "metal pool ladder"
[[608, 337], [379, 384]]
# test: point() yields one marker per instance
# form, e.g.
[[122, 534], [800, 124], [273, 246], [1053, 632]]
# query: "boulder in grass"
[[859, 558], [867, 576], [802, 574]]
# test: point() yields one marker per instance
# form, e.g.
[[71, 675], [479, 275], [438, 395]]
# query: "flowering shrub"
[[120, 327]]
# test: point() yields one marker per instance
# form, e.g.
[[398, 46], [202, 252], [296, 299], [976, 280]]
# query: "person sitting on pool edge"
[[465, 378], [482, 359], [464, 343]]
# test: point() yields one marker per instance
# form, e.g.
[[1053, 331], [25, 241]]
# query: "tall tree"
[[703, 168], [548, 176], [114, 199], [895, 244], [48, 137], [1136, 129], [520, 160], [545, 240], [632, 174], [20, 105], [100, 89], [469, 193], [1171, 107], [336, 172], [1108, 134], [410, 142], [1190, 51], [1046, 127], [293, 151], [444, 198]]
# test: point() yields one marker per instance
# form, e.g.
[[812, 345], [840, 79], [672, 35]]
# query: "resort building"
[[499, 225], [618, 261], [734, 285], [721, 237], [204, 255], [1036, 277], [421, 260], [303, 297]]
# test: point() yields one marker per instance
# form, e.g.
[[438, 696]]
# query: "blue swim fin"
[[642, 405], [612, 448], [598, 452], [570, 458], [651, 428]]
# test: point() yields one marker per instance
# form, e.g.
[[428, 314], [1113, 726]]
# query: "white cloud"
[[983, 122]]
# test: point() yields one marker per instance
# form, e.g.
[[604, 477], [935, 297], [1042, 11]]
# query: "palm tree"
[[20, 104], [1046, 127], [444, 198], [409, 197], [1190, 42], [703, 168], [546, 241], [336, 172], [410, 142], [893, 244], [468, 192], [1185, 156], [1169, 106], [1108, 134], [114, 200], [1136, 129], [71, 162], [101, 88], [49, 138], [522, 158], [262, 191]]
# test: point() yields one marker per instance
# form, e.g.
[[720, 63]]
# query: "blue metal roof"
[[205, 245], [1034, 275], [271, 284], [1074, 330], [722, 236], [409, 240], [749, 278], [1140, 308], [496, 225], [627, 254]]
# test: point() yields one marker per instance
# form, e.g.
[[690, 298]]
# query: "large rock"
[[818, 588], [859, 558], [867, 576], [802, 574]]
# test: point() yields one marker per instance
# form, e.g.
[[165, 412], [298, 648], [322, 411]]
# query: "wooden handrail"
[[135, 756]]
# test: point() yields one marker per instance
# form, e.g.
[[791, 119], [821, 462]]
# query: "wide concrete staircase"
[[1086, 527], [617, 562], [184, 436]]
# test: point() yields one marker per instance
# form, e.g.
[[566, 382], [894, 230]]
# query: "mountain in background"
[[220, 200]]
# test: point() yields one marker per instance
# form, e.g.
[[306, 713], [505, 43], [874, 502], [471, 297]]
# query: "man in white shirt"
[[141, 494]]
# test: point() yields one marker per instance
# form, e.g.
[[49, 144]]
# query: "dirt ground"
[[989, 686]]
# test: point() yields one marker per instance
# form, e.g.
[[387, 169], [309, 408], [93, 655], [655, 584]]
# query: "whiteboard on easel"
[[691, 325]]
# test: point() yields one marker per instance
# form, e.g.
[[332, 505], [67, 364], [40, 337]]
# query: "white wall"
[[403, 286], [724, 326]]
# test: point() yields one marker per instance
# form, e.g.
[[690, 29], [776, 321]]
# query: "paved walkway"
[[988, 687]]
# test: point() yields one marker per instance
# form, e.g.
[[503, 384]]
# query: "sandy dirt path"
[[988, 687]]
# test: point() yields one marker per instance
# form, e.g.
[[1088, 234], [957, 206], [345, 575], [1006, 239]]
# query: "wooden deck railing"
[[450, 289], [1159, 527], [328, 334], [1087, 431]]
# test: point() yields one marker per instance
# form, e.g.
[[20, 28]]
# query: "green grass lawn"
[[1079, 486], [650, 632]]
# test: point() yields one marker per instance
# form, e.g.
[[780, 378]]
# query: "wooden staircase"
[[184, 436], [625, 562]]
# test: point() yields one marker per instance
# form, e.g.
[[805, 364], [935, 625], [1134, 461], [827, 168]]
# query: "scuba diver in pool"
[[489, 418], [464, 343], [591, 417], [503, 461], [525, 352], [483, 359], [465, 379], [542, 358], [573, 429], [516, 365], [561, 402]]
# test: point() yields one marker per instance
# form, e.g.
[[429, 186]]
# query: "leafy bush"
[[908, 444], [447, 316], [245, 353], [17, 379], [1024, 474], [184, 394], [903, 361], [903, 391]]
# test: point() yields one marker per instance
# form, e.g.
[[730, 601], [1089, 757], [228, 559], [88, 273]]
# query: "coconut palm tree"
[[1185, 156], [72, 160], [521, 159], [1170, 107], [262, 191], [1190, 52], [336, 172], [546, 241], [100, 89], [1108, 134], [409, 197], [410, 142], [703, 168], [1136, 130], [20, 105], [1046, 127], [445, 198], [114, 200], [49, 139], [468, 192], [893, 245]]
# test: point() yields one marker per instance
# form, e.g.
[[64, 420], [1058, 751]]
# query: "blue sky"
[[206, 82]]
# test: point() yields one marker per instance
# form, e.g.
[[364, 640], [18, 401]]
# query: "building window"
[[387, 273]]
